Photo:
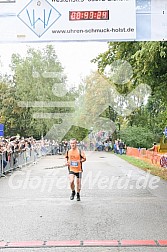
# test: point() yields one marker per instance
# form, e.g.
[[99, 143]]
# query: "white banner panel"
[[82, 20], [67, 20], [159, 20]]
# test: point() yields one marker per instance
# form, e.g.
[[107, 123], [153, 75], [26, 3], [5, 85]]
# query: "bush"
[[137, 136]]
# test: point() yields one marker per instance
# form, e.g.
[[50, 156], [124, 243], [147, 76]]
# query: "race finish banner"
[[83, 20], [68, 20]]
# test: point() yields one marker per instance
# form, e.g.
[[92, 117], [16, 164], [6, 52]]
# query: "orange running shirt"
[[74, 160]]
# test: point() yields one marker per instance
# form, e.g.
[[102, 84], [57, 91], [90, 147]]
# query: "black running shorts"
[[77, 174]]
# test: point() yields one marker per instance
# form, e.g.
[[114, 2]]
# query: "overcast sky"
[[75, 57]]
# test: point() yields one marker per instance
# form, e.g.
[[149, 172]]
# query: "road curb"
[[86, 243]]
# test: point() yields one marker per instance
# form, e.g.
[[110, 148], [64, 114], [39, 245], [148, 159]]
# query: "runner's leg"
[[72, 185], [71, 178], [78, 185]]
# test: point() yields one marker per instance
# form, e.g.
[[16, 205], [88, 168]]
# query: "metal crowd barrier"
[[12, 161], [1, 165]]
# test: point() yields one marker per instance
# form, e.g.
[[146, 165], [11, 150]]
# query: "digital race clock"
[[88, 15]]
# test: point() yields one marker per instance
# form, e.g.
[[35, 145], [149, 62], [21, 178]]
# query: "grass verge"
[[153, 169]]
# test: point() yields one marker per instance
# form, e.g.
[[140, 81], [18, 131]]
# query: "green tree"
[[148, 61], [34, 79]]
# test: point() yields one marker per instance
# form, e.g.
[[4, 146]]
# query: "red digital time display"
[[88, 15]]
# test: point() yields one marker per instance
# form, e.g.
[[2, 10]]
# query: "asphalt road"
[[118, 202]]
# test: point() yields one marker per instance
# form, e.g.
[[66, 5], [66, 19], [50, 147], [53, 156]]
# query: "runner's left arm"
[[83, 157]]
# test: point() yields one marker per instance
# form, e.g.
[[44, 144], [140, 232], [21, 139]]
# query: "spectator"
[[154, 150], [3, 152], [121, 146]]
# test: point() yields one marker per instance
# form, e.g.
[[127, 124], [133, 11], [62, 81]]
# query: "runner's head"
[[73, 143]]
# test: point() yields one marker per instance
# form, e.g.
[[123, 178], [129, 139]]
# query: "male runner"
[[74, 159]]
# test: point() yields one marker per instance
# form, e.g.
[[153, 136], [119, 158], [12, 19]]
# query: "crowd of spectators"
[[14, 147], [11, 148], [102, 141]]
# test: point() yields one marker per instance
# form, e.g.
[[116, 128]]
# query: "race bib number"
[[72, 163]]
